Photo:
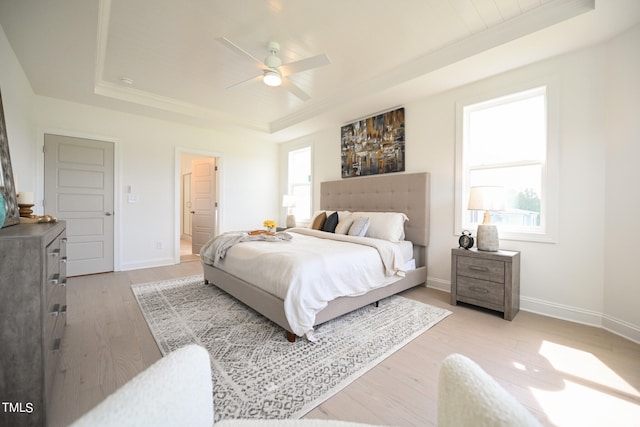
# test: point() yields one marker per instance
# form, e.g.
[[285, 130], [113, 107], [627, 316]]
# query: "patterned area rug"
[[256, 372]]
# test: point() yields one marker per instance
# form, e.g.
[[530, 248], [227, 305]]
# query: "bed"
[[403, 193]]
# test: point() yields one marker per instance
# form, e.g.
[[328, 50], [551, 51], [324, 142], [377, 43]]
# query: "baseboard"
[[157, 262], [439, 284], [561, 311], [579, 315], [564, 312], [622, 328]]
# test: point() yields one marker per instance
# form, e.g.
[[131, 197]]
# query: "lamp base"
[[25, 210], [488, 238], [291, 221]]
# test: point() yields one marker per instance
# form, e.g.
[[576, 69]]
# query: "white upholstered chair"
[[177, 391], [468, 396]]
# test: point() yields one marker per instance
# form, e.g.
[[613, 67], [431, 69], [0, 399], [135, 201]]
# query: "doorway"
[[198, 202]]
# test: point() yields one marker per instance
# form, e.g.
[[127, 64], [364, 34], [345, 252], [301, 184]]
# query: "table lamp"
[[289, 202], [487, 199]]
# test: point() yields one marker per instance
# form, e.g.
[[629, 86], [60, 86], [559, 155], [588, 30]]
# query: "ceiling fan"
[[273, 72]]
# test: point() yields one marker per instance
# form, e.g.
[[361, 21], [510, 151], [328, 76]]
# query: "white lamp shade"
[[486, 198]]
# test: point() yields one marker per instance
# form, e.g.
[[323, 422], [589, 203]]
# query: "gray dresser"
[[32, 318], [486, 279]]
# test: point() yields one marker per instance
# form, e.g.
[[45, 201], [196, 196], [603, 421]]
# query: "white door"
[[78, 188], [204, 205], [186, 204]]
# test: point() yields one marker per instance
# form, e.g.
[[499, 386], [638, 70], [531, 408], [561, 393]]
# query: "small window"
[[299, 182], [505, 142]]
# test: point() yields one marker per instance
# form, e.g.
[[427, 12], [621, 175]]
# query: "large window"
[[506, 142], [299, 182]]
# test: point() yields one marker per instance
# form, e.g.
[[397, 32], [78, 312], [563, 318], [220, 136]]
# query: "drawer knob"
[[55, 310], [479, 289], [475, 268], [56, 345], [55, 252]]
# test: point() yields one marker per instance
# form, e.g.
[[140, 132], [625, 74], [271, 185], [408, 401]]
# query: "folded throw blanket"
[[216, 249]]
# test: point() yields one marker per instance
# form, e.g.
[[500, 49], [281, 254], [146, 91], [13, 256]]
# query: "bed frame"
[[407, 193]]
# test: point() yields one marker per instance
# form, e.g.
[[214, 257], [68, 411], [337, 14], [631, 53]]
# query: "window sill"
[[516, 236]]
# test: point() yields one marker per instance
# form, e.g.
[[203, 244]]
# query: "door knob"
[[108, 213]]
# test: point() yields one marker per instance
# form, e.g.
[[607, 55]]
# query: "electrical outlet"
[[159, 245]]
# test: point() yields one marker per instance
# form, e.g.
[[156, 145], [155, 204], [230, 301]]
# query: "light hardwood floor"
[[566, 374]]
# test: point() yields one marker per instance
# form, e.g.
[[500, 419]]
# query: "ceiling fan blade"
[[304, 64], [246, 82], [237, 49], [295, 90]]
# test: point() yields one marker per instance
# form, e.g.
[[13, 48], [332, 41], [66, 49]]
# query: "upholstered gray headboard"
[[407, 193]]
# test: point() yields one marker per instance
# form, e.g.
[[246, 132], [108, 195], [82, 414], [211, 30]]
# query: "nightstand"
[[486, 279]]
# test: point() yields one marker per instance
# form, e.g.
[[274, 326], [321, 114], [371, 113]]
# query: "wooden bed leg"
[[206, 281], [291, 337]]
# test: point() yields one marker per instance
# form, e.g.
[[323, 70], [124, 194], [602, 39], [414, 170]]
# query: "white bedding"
[[315, 267]]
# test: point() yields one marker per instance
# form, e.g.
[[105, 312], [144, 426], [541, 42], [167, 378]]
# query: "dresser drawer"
[[482, 293], [484, 269], [50, 317], [53, 257], [52, 356]]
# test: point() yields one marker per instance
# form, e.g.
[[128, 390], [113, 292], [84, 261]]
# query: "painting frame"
[[374, 145], [7, 185]]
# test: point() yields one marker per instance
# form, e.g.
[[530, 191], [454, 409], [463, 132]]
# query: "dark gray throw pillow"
[[330, 223]]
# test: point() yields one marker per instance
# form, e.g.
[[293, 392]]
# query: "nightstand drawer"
[[481, 292], [481, 269]]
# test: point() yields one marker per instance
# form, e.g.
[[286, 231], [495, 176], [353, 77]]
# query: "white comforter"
[[313, 268]]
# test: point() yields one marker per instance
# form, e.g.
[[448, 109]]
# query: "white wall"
[[17, 99], [145, 159], [622, 212], [566, 279]]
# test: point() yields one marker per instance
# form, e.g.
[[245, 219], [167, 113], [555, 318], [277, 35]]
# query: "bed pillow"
[[341, 216], [318, 220], [360, 226], [331, 223], [344, 224], [385, 225]]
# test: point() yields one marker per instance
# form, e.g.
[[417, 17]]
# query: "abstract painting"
[[373, 145]]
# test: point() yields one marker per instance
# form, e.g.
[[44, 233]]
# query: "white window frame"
[[548, 230], [289, 152]]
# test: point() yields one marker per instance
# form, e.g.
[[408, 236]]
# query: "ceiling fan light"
[[272, 78]]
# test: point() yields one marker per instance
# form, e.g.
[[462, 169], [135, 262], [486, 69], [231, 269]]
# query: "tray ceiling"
[[163, 57]]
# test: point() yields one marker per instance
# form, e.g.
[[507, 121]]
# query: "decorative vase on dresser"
[[3, 210], [32, 319]]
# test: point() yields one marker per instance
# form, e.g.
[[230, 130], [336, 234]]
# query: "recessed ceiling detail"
[[180, 59]]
